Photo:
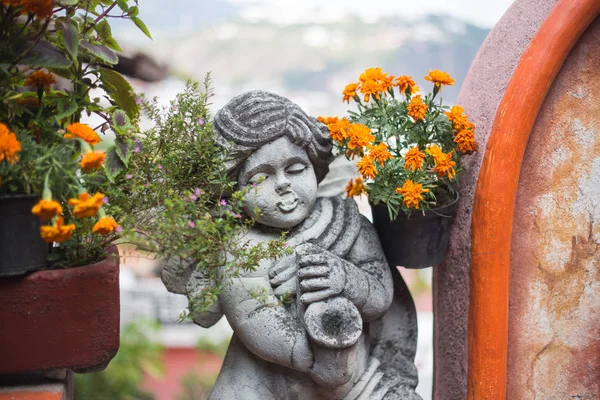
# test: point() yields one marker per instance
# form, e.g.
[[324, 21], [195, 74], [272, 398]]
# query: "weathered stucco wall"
[[554, 315], [480, 95]]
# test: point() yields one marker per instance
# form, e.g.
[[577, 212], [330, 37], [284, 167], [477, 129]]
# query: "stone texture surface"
[[60, 319], [554, 316], [480, 95]]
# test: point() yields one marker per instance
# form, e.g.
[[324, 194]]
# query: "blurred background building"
[[306, 50]]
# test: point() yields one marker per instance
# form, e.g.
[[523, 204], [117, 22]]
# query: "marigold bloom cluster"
[[374, 82], [367, 168], [92, 160], [39, 8], [413, 159], [360, 136], [464, 130], [355, 188], [9, 145], [105, 225], [86, 206], [47, 209], [439, 78], [412, 193], [338, 128], [83, 132], [349, 92], [405, 82], [444, 165], [58, 232], [417, 109], [40, 78], [380, 153]]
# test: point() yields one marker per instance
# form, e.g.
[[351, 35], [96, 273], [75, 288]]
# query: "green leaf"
[[123, 5], [140, 24], [103, 29], [44, 54], [120, 91], [66, 107], [121, 121], [113, 164], [67, 2], [134, 11], [123, 148], [113, 44], [71, 38], [100, 51]]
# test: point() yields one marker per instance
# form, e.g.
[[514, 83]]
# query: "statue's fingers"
[[309, 285], [314, 271], [307, 248], [312, 297], [280, 265], [288, 288], [312, 259], [283, 276]]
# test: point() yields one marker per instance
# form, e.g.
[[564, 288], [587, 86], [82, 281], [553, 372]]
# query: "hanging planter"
[[418, 241], [21, 247]]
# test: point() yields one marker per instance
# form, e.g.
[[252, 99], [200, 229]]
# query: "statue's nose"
[[282, 184]]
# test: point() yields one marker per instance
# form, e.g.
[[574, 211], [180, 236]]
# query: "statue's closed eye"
[[295, 168], [258, 178]]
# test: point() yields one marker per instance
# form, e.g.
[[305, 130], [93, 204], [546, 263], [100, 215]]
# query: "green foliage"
[[175, 199], [138, 354]]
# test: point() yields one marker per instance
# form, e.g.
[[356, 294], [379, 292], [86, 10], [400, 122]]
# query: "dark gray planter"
[[21, 247]]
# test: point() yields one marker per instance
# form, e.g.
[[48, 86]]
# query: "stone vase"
[[418, 241], [21, 247]]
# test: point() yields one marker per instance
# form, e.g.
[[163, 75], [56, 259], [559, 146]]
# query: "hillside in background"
[[309, 63]]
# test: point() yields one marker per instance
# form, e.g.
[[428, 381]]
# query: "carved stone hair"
[[256, 118]]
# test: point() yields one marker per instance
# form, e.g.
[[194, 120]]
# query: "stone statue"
[[336, 322]]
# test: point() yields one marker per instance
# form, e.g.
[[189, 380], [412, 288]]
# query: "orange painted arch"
[[496, 192]]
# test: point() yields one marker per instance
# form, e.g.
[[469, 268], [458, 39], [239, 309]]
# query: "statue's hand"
[[282, 276], [322, 274]]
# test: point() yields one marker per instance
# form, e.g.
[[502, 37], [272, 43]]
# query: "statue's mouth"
[[287, 203]]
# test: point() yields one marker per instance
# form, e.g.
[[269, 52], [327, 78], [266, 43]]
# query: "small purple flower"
[[197, 191], [193, 197], [192, 224], [238, 215], [201, 121], [159, 166], [174, 108], [147, 184], [105, 200], [254, 185], [223, 202], [286, 244], [138, 100], [119, 229], [128, 176], [137, 148]]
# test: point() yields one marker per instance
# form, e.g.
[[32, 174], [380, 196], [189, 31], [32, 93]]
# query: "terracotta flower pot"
[[418, 241], [21, 247], [65, 318]]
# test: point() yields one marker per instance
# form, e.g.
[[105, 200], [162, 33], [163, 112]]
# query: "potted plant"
[[56, 65], [409, 147]]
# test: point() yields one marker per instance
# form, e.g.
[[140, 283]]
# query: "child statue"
[[347, 328]]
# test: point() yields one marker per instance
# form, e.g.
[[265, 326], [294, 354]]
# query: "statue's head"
[[278, 151]]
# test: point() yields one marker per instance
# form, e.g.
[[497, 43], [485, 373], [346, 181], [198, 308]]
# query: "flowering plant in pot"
[[55, 56], [409, 148]]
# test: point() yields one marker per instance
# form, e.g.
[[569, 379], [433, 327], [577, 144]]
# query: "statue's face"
[[285, 185]]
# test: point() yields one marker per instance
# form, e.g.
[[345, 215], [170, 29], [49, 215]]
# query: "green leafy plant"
[[54, 55], [409, 146], [176, 201]]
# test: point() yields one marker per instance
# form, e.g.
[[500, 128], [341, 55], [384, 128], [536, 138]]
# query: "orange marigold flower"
[[57, 232], [405, 82], [328, 120], [413, 159], [355, 189], [465, 141], [417, 109], [40, 8], [9, 145], [92, 160], [444, 165], [366, 168], [371, 88], [380, 153], [47, 209], [13, 3], [86, 206], [105, 225], [360, 136], [439, 78], [339, 130], [40, 78], [349, 92], [458, 119], [412, 193], [82, 131], [373, 82], [434, 151]]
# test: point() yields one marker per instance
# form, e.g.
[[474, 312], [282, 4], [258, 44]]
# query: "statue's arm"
[[263, 324], [369, 282]]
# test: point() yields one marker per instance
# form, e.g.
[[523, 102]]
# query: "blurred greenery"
[[138, 354]]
